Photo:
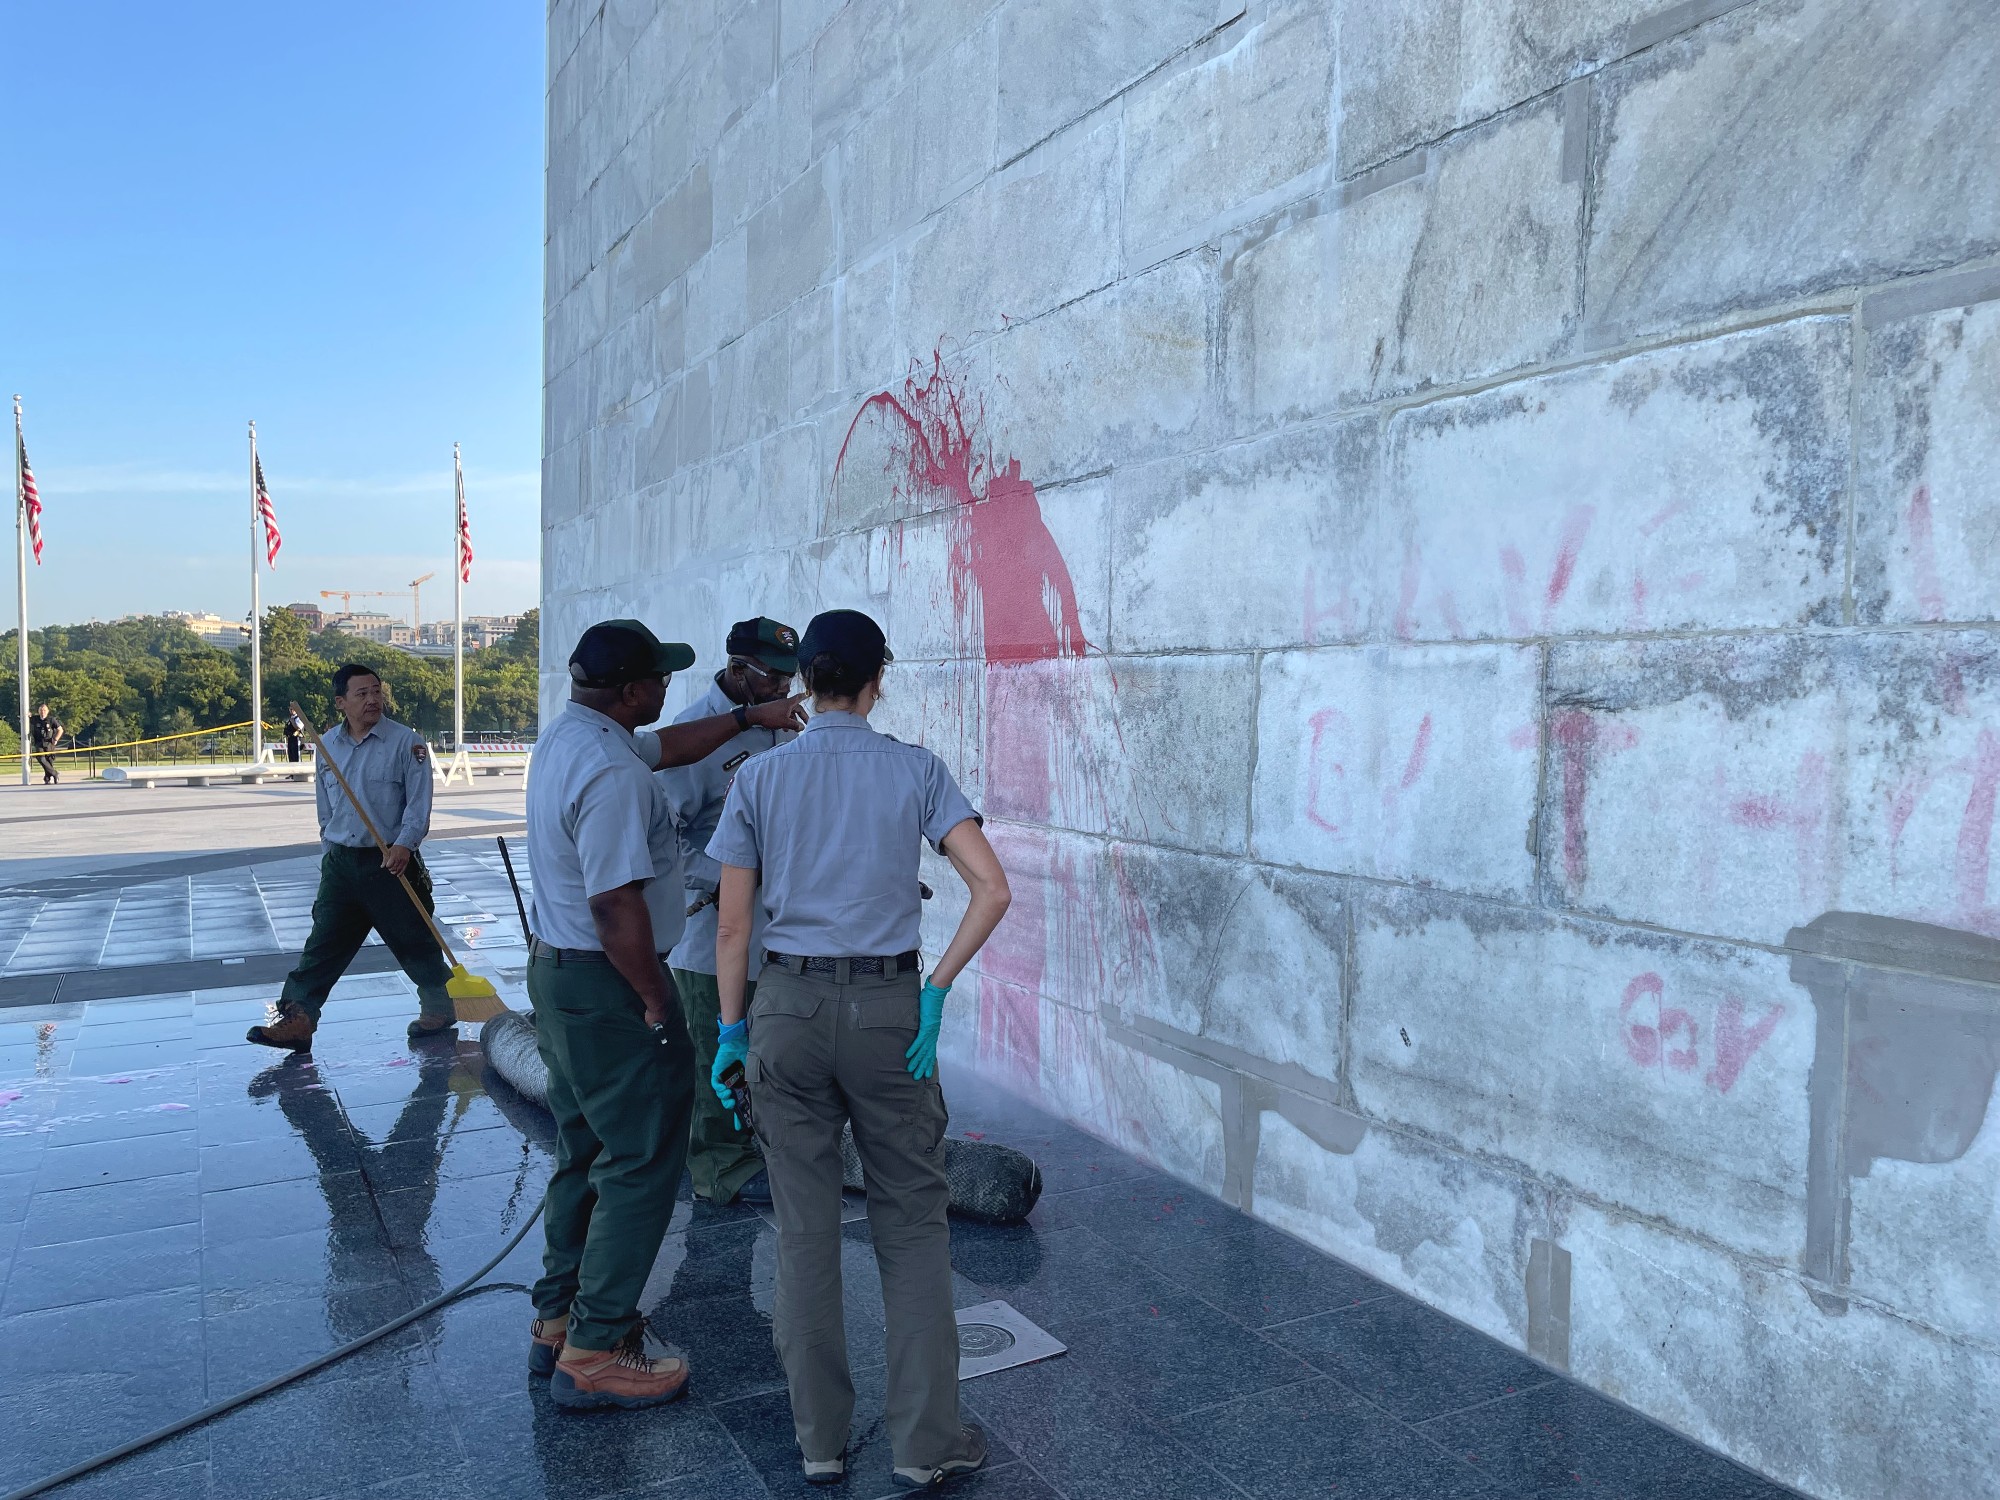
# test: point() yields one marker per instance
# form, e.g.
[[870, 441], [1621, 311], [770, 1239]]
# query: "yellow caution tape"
[[186, 734]]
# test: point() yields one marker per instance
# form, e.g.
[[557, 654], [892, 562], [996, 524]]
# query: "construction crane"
[[415, 584], [347, 596]]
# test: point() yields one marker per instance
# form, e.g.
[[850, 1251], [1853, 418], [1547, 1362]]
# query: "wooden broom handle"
[[333, 765]]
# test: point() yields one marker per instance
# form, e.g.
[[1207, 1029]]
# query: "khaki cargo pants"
[[822, 1053]]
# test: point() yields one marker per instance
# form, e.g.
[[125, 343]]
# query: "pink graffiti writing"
[[1667, 1037], [1647, 1044]]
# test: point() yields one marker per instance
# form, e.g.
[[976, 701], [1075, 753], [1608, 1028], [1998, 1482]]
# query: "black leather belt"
[[553, 954], [858, 968]]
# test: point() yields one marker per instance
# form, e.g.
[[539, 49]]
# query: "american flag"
[[269, 516], [464, 536], [31, 501]]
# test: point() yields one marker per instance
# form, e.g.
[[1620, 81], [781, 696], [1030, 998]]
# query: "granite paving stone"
[[1561, 1439], [1317, 1438], [175, 1254], [1408, 1358], [1264, 1276], [1170, 1357]]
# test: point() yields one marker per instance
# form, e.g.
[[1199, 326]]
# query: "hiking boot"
[[826, 1470], [545, 1344], [970, 1454], [288, 1026], [430, 1026], [640, 1371]]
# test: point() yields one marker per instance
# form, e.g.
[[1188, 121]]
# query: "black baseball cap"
[[849, 636], [775, 645], [616, 652]]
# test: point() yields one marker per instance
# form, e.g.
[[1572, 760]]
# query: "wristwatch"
[[742, 717]]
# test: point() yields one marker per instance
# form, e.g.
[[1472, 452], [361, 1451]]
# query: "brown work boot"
[[640, 1371], [545, 1344], [288, 1026]]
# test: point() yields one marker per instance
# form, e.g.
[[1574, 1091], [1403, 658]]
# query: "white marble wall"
[[1444, 536]]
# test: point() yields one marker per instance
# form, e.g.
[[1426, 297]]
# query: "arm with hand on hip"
[[732, 973], [625, 930], [973, 857]]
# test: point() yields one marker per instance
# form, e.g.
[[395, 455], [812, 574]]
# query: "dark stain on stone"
[[1906, 1051], [1795, 384], [1250, 1085]]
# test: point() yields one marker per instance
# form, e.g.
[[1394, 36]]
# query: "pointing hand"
[[781, 713]]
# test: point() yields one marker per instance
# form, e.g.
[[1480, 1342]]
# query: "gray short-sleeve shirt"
[[597, 819], [832, 821], [696, 794]]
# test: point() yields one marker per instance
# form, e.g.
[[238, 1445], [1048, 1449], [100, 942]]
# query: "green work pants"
[[356, 897], [621, 1100], [822, 1053], [720, 1156]]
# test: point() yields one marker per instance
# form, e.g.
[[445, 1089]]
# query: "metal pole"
[[21, 578], [256, 624], [458, 613]]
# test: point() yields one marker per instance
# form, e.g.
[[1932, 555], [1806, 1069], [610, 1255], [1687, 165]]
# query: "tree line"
[[140, 678]]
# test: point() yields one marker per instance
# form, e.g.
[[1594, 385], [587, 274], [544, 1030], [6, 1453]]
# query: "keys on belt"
[[857, 968]]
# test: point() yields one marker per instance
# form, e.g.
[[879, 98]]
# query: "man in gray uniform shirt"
[[389, 768], [762, 662], [605, 850]]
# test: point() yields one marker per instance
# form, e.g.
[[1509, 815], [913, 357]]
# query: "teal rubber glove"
[[731, 1047], [922, 1053]]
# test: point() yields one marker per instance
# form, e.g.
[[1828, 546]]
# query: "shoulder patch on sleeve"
[[420, 751]]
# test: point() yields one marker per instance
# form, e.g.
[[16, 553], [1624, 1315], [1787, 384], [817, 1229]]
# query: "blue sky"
[[328, 218]]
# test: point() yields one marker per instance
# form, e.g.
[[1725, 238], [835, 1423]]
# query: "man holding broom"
[[389, 769]]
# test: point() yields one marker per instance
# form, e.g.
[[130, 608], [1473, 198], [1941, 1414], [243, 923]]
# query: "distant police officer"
[[608, 905], [762, 662], [389, 768], [45, 733], [841, 1031]]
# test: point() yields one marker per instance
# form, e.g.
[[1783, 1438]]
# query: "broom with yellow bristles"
[[472, 998]]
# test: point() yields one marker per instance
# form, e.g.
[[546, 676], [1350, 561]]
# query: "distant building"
[[481, 631], [312, 614], [213, 629]]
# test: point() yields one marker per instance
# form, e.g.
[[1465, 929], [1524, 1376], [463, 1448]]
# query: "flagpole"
[[21, 578], [256, 623], [458, 609]]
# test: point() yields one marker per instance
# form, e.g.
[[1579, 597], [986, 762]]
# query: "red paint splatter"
[[1576, 526], [1525, 737], [1327, 719], [1341, 612], [1903, 803], [1735, 1044], [1647, 1045], [1971, 866], [1660, 517], [1806, 815], [1923, 556], [1580, 737], [1414, 766], [1010, 586], [1639, 599]]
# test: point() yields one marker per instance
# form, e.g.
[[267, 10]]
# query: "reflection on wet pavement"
[[183, 1215]]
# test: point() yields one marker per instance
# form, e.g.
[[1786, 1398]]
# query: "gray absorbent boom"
[[991, 1183]]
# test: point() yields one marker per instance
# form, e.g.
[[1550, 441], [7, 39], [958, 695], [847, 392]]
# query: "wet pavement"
[[183, 1215]]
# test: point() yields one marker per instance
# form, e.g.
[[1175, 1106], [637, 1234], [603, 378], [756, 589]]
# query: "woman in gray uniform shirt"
[[825, 832]]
